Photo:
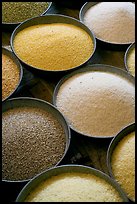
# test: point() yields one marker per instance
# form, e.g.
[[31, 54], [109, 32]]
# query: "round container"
[[127, 53], [124, 132], [67, 169], [91, 68], [104, 43], [37, 103], [10, 54], [12, 26], [49, 19]]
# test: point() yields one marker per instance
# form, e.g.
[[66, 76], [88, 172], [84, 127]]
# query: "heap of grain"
[[123, 164], [56, 46], [97, 103], [32, 141], [15, 12], [74, 187], [10, 76], [131, 62], [112, 21]]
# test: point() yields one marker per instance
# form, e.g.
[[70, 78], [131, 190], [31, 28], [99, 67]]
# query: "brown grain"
[[10, 76], [32, 141]]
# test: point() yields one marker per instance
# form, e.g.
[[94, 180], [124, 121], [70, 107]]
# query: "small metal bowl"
[[127, 53], [91, 68], [33, 102], [48, 19], [11, 26], [10, 54], [124, 132], [103, 43], [67, 169]]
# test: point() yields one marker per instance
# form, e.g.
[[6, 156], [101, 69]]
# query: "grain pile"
[[10, 76], [74, 187], [32, 141], [112, 21], [97, 103], [55, 46], [123, 164], [131, 62], [14, 12]]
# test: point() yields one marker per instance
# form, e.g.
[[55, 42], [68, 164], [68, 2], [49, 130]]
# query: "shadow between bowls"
[[12, 26], [113, 144], [48, 19], [65, 169], [33, 102], [70, 4], [127, 53], [87, 68], [102, 43], [10, 54]]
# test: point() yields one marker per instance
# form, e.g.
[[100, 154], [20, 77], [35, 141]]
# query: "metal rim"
[[19, 66], [123, 133], [64, 169], [62, 18], [129, 49], [83, 9], [49, 107], [17, 23], [94, 67]]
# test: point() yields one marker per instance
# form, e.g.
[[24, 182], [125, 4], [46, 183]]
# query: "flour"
[[112, 21]]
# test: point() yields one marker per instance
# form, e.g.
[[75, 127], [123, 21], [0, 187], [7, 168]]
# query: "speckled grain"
[[32, 141], [10, 76], [14, 12]]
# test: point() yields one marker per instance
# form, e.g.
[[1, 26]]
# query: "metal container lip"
[[19, 66], [83, 9], [122, 133], [90, 68], [56, 18], [48, 106], [18, 23], [129, 49], [67, 168]]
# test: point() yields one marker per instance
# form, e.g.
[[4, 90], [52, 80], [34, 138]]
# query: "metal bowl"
[[103, 43], [33, 102], [127, 53], [12, 26], [124, 132], [96, 67], [10, 54], [66, 169], [48, 19]]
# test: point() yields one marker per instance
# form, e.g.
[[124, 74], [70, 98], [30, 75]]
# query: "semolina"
[[113, 22], [74, 187], [123, 164], [97, 103], [131, 62], [55, 46]]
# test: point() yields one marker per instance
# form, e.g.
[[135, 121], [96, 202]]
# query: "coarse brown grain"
[[10, 76], [32, 141]]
